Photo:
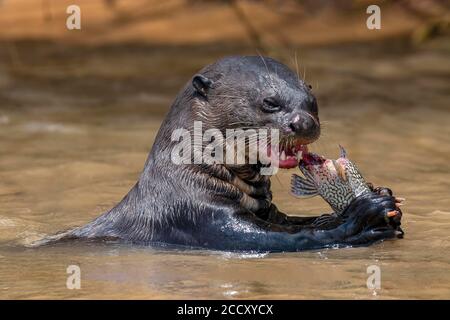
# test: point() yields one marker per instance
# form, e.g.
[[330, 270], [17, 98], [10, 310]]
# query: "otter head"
[[258, 92]]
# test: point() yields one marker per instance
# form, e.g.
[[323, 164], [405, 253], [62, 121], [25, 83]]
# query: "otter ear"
[[201, 84]]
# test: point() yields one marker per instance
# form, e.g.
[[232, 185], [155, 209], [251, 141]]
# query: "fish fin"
[[306, 183], [303, 188], [309, 177], [343, 153], [340, 169]]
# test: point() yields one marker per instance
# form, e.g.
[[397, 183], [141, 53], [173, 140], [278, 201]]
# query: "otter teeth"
[[283, 156], [299, 154]]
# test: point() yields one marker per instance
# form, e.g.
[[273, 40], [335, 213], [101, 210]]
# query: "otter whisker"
[[304, 73], [296, 67], [268, 73]]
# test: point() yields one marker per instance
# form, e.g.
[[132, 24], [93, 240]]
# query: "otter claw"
[[398, 204], [392, 213], [398, 199]]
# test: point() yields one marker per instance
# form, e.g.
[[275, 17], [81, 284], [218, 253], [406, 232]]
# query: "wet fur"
[[229, 207]]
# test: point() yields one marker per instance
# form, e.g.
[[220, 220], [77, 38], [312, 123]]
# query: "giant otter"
[[229, 207]]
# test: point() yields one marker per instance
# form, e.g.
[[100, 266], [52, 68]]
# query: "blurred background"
[[129, 50], [79, 110]]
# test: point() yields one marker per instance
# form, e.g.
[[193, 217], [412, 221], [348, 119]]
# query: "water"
[[75, 130]]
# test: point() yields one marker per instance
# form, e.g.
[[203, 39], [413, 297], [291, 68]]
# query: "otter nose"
[[302, 123]]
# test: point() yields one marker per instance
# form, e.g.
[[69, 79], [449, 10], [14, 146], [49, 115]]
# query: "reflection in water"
[[69, 153]]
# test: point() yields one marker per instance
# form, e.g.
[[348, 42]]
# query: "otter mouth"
[[289, 157], [290, 152], [311, 159]]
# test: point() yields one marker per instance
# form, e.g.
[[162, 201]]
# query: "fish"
[[338, 181]]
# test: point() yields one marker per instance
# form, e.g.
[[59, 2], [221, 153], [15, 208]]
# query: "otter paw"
[[374, 214]]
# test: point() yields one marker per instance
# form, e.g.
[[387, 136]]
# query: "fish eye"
[[271, 105]]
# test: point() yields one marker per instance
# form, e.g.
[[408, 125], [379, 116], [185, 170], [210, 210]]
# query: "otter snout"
[[305, 126]]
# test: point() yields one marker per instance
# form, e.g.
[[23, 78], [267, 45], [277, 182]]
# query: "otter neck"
[[252, 187]]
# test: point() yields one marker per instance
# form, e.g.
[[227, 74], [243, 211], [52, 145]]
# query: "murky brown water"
[[74, 135]]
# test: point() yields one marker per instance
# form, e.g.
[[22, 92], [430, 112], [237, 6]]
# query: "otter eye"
[[271, 105]]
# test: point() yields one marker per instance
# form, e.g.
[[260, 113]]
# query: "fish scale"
[[338, 182]]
